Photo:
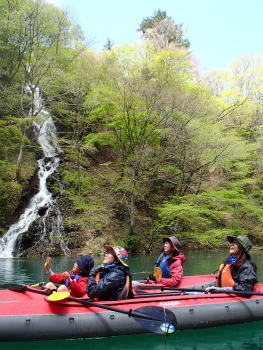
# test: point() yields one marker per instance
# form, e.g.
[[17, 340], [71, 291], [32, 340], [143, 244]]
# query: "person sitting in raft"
[[237, 273], [170, 262], [75, 280], [112, 280]]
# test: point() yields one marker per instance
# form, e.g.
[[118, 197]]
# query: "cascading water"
[[46, 136]]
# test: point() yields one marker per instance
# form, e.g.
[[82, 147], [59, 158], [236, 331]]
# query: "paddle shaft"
[[162, 288], [38, 291], [238, 292], [130, 313], [159, 294], [22, 288]]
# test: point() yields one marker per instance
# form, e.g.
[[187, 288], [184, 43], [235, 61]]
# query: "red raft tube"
[[27, 313]]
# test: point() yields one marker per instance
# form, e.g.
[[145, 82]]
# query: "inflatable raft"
[[26, 313]]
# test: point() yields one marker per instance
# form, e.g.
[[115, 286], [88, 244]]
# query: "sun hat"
[[175, 242], [243, 241], [120, 252], [85, 263]]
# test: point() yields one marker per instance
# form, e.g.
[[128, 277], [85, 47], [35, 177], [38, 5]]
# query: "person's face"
[[168, 247], [109, 257], [235, 248], [76, 268]]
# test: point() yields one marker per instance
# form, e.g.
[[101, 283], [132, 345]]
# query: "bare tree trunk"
[[79, 186], [132, 200], [20, 161]]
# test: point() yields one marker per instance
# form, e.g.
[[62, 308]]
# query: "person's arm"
[[78, 289], [60, 278], [46, 266], [47, 263], [176, 274], [57, 278], [245, 278]]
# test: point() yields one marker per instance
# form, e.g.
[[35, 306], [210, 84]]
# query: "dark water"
[[238, 337]]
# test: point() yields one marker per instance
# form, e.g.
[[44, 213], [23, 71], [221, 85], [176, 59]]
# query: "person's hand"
[[211, 289], [151, 279], [46, 265], [66, 276], [94, 271]]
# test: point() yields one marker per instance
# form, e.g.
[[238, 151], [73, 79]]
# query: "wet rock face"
[[43, 239], [42, 211], [43, 249], [47, 247], [30, 187], [29, 239]]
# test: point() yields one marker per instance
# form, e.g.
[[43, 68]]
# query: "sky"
[[219, 31]]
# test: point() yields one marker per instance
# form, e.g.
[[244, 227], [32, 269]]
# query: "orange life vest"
[[97, 278], [224, 277]]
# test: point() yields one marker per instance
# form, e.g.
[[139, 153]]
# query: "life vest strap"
[[124, 293], [97, 278]]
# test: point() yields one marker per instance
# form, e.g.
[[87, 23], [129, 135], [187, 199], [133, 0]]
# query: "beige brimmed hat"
[[175, 242]]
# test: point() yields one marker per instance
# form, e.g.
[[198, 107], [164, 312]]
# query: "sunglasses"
[[110, 252]]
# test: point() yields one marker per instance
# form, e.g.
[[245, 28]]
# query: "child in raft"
[[75, 280]]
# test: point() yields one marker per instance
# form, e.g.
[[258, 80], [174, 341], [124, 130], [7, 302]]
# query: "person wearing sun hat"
[[237, 273], [170, 262], [74, 280], [112, 280]]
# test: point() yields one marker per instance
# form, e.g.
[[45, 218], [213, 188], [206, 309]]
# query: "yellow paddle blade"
[[157, 273], [40, 284], [55, 296]]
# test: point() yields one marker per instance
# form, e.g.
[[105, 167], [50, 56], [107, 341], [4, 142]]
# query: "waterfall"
[[46, 135]]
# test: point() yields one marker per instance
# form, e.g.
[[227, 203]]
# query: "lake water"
[[238, 337]]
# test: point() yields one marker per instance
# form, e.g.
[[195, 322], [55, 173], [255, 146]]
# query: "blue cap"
[[85, 263]]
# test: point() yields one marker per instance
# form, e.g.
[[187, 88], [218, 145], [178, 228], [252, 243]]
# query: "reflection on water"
[[238, 337], [13, 269]]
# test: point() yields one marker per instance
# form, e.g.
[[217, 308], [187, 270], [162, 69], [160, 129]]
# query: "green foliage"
[[216, 209], [150, 22], [11, 136], [99, 139], [73, 180], [162, 31], [10, 192]]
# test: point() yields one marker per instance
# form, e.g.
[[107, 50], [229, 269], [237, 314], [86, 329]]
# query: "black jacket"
[[245, 277], [111, 285]]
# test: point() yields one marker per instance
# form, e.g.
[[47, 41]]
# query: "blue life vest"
[[104, 270], [163, 263], [73, 277]]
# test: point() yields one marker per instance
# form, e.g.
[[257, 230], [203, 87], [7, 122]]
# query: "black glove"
[[152, 278], [94, 271]]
